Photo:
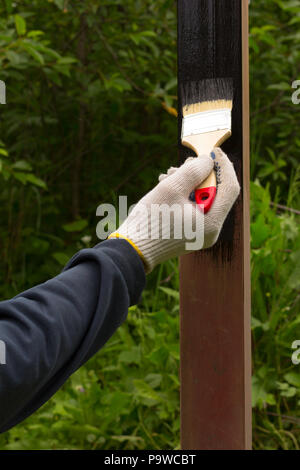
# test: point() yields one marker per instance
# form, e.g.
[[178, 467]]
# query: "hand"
[[165, 221]]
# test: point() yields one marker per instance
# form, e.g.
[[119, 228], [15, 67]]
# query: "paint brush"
[[206, 110]]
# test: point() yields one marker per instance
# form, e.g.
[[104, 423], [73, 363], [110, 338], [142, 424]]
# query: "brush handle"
[[206, 193], [203, 144]]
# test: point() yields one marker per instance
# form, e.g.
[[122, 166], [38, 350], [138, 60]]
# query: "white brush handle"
[[203, 144]]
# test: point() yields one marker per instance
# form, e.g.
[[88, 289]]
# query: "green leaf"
[[36, 181], [294, 279], [170, 292], [22, 177], [76, 226], [60, 4], [286, 5], [118, 83], [293, 378], [20, 25], [132, 439], [145, 391], [13, 57], [286, 390], [255, 323], [3, 152], [53, 75], [159, 355], [259, 232], [35, 34], [22, 165], [154, 380], [66, 60], [171, 84], [174, 350], [260, 396], [118, 402], [130, 357], [33, 52], [59, 409], [46, 50], [61, 258], [283, 86], [5, 37]]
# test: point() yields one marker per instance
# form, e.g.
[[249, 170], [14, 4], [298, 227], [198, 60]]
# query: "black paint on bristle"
[[214, 89]]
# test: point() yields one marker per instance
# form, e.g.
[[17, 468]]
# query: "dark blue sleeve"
[[49, 331]]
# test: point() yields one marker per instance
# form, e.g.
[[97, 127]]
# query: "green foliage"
[[90, 114], [126, 397], [274, 59], [275, 322]]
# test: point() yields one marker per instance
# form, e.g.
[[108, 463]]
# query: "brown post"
[[215, 283]]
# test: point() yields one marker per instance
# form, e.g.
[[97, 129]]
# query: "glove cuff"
[[118, 235]]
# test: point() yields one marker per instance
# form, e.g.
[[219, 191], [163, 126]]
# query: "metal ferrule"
[[206, 121]]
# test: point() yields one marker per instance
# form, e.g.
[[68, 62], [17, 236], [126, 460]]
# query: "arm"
[[52, 329]]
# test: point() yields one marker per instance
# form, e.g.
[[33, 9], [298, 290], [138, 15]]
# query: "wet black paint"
[[210, 89], [209, 46]]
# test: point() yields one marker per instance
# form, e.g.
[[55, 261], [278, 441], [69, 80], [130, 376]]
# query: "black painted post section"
[[215, 283]]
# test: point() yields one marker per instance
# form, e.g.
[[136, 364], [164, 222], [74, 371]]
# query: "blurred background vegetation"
[[91, 114]]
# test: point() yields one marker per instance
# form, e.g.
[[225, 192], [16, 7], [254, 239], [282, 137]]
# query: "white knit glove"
[[157, 238]]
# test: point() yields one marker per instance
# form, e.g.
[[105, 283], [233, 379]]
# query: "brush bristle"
[[206, 95]]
